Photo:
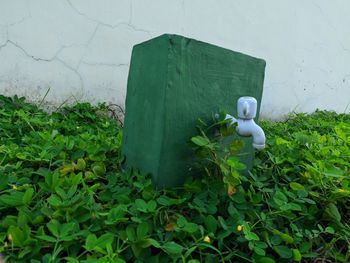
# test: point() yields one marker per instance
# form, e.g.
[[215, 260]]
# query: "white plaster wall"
[[80, 49]]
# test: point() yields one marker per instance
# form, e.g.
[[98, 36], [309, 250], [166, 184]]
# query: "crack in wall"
[[4, 45], [6, 41], [87, 44], [71, 61], [330, 24], [101, 23], [325, 16], [16, 23], [20, 21], [53, 58], [81, 80], [35, 57]]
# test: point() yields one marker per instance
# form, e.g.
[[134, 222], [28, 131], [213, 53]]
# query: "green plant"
[[63, 196], [305, 167], [217, 155], [308, 159]]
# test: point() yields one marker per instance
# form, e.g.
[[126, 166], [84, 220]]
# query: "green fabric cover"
[[172, 82]]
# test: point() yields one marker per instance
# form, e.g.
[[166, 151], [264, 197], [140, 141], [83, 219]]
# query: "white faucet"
[[246, 126]]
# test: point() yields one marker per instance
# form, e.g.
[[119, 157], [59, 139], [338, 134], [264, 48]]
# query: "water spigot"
[[246, 126]]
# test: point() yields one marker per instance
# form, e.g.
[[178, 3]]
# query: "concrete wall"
[[80, 49]]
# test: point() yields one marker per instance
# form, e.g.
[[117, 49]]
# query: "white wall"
[[81, 48]]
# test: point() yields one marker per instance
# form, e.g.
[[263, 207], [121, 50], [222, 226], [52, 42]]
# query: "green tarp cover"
[[173, 81]]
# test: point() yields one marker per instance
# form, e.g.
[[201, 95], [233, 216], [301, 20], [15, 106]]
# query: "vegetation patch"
[[64, 197]]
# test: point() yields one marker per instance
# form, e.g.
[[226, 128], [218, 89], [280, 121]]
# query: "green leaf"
[[71, 260], [200, 141], [235, 163], [142, 230], [329, 230], [38, 219], [296, 255], [24, 252], [130, 232], [117, 214], [280, 198], [334, 172], [13, 199], [99, 244], [76, 178], [211, 224], [193, 186], [235, 146], [283, 251], [333, 212], [81, 164], [104, 240], [172, 248], [166, 201], [287, 238], [265, 260], [251, 236], [151, 206], [3, 182], [54, 227], [153, 242], [99, 169], [222, 223], [305, 247], [259, 251], [21, 156], [281, 141], [47, 238], [66, 228], [27, 197], [190, 228], [52, 181], [91, 242], [163, 200], [141, 205], [137, 248], [296, 186], [290, 206], [54, 200], [16, 235], [181, 221], [72, 190]]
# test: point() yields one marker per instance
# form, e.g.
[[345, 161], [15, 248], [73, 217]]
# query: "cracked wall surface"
[[80, 49]]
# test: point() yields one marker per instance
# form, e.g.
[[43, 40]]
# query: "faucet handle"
[[246, 107]]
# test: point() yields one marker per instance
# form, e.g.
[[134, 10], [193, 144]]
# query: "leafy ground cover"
[[64, 197]]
